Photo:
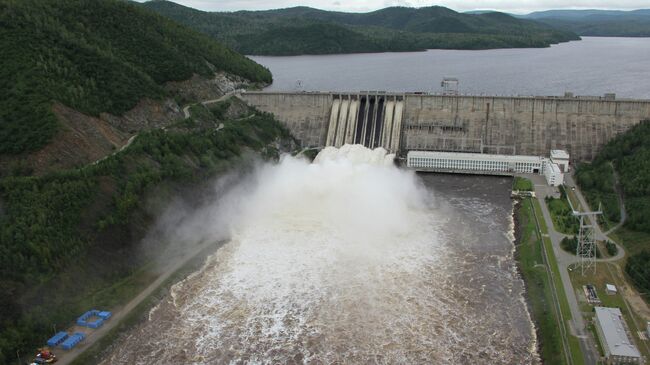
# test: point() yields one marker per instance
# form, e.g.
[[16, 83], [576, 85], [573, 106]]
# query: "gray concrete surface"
[[523, 125]]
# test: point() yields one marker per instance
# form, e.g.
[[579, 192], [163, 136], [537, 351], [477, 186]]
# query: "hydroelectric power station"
[[402, 122]]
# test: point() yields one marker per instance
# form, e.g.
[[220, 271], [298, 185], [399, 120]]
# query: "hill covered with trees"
[[73, 240], [303, 30], [94, 56], [602, 23], [629, 155]]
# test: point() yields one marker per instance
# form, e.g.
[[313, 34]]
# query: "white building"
[[611, 289], [614, 338], [485, 164], [561, 158], [553, 174], [474, 163]]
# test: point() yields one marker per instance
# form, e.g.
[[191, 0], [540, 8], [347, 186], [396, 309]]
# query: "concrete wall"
[[305, 115], [510, 125], [520, 125]]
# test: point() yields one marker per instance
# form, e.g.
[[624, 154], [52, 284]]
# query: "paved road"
[[564, 259], [67, 357]]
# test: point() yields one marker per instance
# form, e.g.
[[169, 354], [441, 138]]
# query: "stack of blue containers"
[[84, 319], [72, 341], [57, 339]]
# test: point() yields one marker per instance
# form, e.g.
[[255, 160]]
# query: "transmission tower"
[[586, 249]]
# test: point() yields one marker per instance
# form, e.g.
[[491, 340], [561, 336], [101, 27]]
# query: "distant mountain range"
[[304, 30], [605, 23]]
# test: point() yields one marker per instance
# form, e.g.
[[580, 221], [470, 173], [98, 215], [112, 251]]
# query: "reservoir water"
[[593, 66], [348, 260]]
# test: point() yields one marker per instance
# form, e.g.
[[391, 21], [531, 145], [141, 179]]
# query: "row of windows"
[[442, 163]]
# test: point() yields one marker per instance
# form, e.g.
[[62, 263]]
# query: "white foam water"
[[345, 260]]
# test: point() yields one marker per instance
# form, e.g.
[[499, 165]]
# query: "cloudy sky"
[[511, 6]]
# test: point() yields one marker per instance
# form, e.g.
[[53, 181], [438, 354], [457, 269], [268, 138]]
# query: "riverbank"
[[137, 310], [538, 293]]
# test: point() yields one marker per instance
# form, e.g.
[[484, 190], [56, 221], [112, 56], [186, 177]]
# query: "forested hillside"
[[70, 240], [603, 23], [629, 155], [94, 56], [304, 30]]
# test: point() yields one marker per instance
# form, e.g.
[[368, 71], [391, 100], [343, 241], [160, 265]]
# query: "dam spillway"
[[366, 120], [401, 122]]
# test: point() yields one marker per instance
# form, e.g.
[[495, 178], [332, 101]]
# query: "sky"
[[509, 6]]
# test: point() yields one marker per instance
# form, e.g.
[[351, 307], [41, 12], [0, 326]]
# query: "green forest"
[[94, 56], [56, 229], [598, 23], [303, 30], [629, 155]]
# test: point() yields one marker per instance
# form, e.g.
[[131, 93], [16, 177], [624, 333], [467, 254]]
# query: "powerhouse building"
[[485, 164], [614, 337]]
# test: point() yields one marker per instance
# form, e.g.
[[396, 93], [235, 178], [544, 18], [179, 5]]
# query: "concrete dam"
[[401, 122]]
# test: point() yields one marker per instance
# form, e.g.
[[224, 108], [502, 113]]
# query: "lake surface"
[[593, 66]]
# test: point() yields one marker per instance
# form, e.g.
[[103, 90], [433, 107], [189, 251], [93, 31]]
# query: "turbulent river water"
[[349, 259]]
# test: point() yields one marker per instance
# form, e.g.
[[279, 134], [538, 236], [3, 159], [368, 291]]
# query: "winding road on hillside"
[[186, 109]]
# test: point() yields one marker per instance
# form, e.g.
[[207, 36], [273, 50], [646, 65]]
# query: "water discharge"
[[345, 260]]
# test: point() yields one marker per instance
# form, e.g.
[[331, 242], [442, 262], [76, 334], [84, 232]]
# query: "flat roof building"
[[561, 158], [614, 337], [554, 176], [478, 163], [485, 164]]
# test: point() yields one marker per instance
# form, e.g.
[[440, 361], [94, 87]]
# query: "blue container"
[[57, 339], [72, 341]]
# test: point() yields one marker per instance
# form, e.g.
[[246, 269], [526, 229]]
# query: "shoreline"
[[94, 352], [525, 295], [516, 241], [539, 295]]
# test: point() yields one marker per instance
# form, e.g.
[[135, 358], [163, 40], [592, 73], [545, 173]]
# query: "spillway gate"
[[373, 120]]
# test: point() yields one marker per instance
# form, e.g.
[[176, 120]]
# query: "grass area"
[[538, 286], [571, 194], [574, 344], [562, 215], [522, 184], [121, 291], [633, 241], [606, 274], [594, 333]]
